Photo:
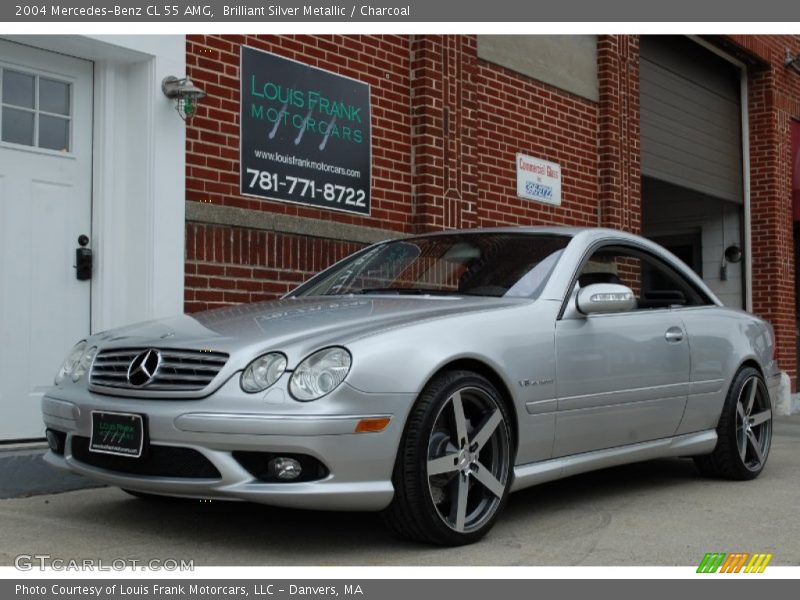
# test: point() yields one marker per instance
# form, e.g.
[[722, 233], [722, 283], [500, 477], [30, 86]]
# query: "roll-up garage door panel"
[[670, 141], [669, 145], [672, 89], [664, 171], [673, 139], [707, 114], [691, 132], [709, 123]]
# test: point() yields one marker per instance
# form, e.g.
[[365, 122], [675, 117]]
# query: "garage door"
[[690, 117], [45, 205]]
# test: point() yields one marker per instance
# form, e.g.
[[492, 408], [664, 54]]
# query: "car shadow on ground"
[[589, 488], [290, 532]]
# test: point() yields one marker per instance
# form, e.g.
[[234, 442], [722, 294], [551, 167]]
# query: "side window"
[[654, 283]]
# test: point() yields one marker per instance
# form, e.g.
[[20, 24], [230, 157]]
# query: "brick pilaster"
[[619, 150]]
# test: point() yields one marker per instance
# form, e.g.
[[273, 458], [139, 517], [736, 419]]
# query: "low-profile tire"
[[744, 431], [453, 467]]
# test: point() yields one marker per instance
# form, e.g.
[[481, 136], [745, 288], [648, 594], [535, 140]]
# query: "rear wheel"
[[453, 467], [744, 431]]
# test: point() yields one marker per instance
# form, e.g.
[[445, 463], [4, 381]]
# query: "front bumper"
[[359, 465]]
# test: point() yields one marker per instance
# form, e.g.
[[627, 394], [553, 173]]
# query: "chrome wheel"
[[753, 424], [468, 459]]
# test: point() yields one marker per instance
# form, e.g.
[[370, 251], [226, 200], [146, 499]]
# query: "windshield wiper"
[[409, 291]]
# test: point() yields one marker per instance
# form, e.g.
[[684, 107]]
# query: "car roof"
[[562, 230]]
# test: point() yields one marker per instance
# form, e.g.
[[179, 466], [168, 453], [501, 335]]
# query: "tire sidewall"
[[432, 400], [728, 423]]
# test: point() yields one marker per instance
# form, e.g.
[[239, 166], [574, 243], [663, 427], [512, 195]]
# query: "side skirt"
[[690, 444]]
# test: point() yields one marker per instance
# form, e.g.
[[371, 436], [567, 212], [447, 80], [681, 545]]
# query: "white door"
[[45, 205]]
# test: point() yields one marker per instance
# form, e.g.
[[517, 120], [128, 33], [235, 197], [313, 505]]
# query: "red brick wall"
[[226, 265], [619, 146], [446, 128], [216, 272], [443, 132], [463, 120], [774, 100], [518, 114]]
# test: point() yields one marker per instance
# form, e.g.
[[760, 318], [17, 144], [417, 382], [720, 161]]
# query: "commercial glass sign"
[[305, 134], [538, 179]]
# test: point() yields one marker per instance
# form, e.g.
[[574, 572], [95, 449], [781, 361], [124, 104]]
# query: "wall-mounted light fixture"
[[792, 61], [733, 255], [185, 93]]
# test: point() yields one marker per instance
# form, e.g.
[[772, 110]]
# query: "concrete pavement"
[[24, 473], [656, 513]]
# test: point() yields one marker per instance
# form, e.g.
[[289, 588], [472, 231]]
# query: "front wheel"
[[453, 468], [744, 431]]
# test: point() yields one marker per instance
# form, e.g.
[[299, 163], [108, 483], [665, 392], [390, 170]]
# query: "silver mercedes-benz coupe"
[[427, 378]]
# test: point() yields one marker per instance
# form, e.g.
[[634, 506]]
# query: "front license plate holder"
[[120, 434]]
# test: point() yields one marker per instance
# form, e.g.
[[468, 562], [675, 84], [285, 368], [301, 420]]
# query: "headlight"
[[71, 362], [84, 363], [263, 372], [320, 374]]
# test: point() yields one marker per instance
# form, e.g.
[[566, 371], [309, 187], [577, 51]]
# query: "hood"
[[282, 324]]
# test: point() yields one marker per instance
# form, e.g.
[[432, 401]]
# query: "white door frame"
[[139, 179]]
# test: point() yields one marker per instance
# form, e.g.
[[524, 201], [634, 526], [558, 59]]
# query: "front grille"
[[160, 461], [179, 371]]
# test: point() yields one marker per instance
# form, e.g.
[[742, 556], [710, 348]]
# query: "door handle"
[[674, 334]]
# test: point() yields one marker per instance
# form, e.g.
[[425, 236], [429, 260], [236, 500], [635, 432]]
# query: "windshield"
[[468, 264]]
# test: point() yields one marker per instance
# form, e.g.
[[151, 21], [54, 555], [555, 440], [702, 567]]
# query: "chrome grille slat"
[[203, 357], [180, 370], [175, 377], [113, 353], [189, 370], [186, 366]]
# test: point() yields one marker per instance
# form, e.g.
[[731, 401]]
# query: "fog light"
[[55, 440], [285, 468]]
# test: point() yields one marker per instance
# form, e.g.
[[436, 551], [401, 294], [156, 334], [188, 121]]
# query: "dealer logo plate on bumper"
[[121, 434]]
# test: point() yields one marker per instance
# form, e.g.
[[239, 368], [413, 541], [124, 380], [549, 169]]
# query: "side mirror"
[[605, 298]]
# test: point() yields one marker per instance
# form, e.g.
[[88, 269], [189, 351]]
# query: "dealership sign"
[[538, 179], [305, 134]]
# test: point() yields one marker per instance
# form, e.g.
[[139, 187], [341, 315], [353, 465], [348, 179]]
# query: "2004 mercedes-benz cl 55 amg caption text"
[[427, 378]]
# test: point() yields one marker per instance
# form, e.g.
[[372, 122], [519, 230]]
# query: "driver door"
[[622, 378]]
